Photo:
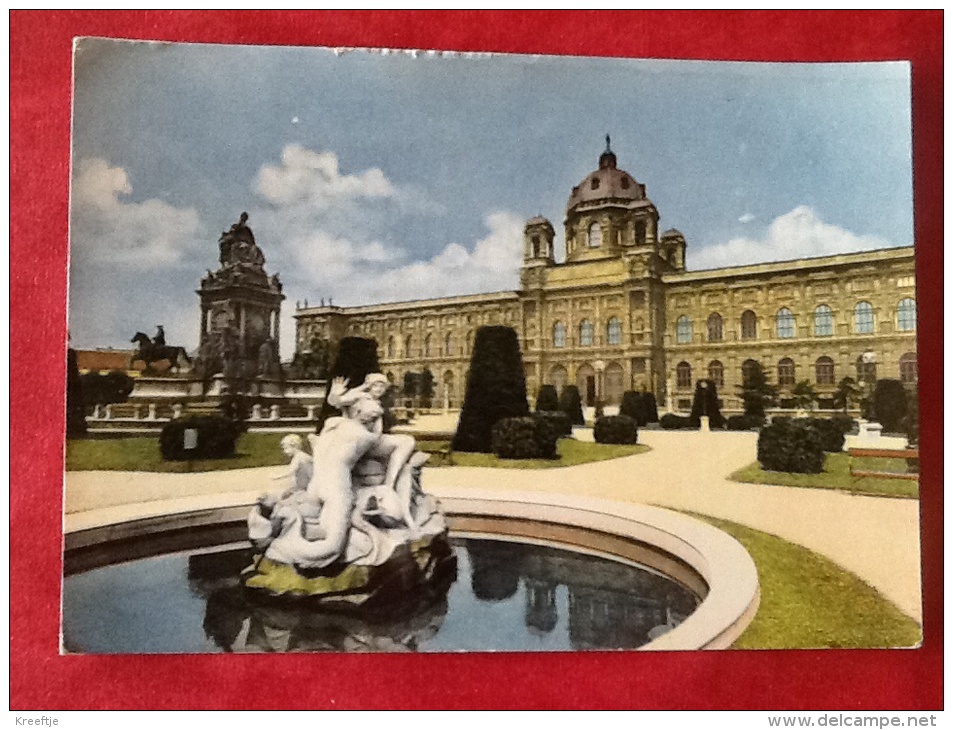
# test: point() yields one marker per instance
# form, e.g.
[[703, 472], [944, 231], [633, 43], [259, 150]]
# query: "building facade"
[[621, 312]]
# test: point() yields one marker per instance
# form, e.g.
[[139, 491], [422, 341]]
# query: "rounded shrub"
[[616, 430], [844, 423], [635, 406], [672, 421], [547, 399], [890, 404], [556, 420], [830, 433], [571, 404], [789, 446], [523, 437], [496, 388], [199, 437]]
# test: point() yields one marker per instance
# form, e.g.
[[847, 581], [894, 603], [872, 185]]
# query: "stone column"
[[109, 411], [277, 335], [152, 412], [273, 415]]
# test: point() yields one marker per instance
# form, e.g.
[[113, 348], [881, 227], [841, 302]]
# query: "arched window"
[[907, 315], [390, 346], [595, 235], [823, 321], [448, 344], [716, 373], [427, 340], [786, 372], [683, 330], [715, 327], [469, 342], [683, 375], [784, 323], [863, 319], [908, 367], [749, 325], [748, 368], [866, 370], [586, 333], [614, 331], [824, 371], [408, 343], [559, 335]]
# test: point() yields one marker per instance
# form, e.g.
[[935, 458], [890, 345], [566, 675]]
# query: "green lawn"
[[809, 602], [571, 452], [141, 453], [836, 475]]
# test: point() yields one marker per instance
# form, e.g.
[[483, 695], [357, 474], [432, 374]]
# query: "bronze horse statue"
[[149, 352]]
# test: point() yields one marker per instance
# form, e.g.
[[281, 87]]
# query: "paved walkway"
[[876, 538]]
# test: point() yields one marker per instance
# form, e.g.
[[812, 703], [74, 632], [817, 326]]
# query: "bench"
[[445, 452], [856, 453]]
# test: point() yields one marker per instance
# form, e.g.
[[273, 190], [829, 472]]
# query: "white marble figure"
[[300, 468], [363, 498]]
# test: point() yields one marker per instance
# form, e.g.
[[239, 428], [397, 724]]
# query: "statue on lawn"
[[362, 533]]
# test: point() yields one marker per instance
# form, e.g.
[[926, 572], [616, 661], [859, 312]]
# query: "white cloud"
[[746, 218], [108, 230], [799, 233], [306, 177]]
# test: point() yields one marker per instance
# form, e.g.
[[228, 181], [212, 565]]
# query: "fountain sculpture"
[[361, 534]]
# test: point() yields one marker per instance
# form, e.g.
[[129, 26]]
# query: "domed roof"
[[537, 221], [608, 182], [673, 233]]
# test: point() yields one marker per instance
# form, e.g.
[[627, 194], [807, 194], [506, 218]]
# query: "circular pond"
[[509, 595]]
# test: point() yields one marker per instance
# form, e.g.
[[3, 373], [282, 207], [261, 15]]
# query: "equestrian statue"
[[151, 351]]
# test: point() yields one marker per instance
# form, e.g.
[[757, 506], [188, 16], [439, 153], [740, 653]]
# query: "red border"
[[40, 60]]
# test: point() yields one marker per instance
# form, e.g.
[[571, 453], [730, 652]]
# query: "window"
[[749, 368], [683, 375], [614, 331], [716, 373], [823, 321], [390, 346], [586, 333], [448, 344], [907, 315], [786, 372], [866, 371], [749, 326], [595, 183], [559, 335], [427, 341], [535, 246], [908, 368], [863, 319], [715, 328], [625, 182], [683, 330], [595, 235], [824, 371], [407, 345], [785, 323]]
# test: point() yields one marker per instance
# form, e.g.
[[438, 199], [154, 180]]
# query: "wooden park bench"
[[905, 454]]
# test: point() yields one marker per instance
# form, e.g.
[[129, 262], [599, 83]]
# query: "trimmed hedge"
[[571, 404], [744, 422], [845, 423], [616, 430], [790, 446], [547, 399], [215, 438], [705, 403], [640, 407], [496, 388], [524, 437], [672, 421], [890, 404], [830, 433], [556, 420]]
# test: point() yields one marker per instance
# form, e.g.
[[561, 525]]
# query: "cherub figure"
[[300, 468]]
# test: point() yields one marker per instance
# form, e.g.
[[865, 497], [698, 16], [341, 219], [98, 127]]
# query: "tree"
[[357, 358], [756, 392], [113, 387], [411, 385], [847, 393], [75, 403], [804, 395], [427, 385], [705, 403], [547, 399], [890, 404], [496, 388], [571, 404]]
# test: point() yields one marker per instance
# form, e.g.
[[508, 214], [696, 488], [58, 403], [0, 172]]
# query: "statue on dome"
[[237, 245], [363, 525]]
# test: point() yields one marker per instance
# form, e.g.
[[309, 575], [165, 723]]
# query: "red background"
[[40, 69]]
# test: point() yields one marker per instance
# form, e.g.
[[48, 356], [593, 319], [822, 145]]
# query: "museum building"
[[621, 312]]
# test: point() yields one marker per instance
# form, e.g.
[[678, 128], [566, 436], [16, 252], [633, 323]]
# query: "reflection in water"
[[517, 597]]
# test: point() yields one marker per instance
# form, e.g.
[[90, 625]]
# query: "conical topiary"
[[547, 400], [571, 404], [496, 388]]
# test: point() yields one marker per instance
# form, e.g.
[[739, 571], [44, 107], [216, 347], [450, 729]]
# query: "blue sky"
[[388, 176]]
